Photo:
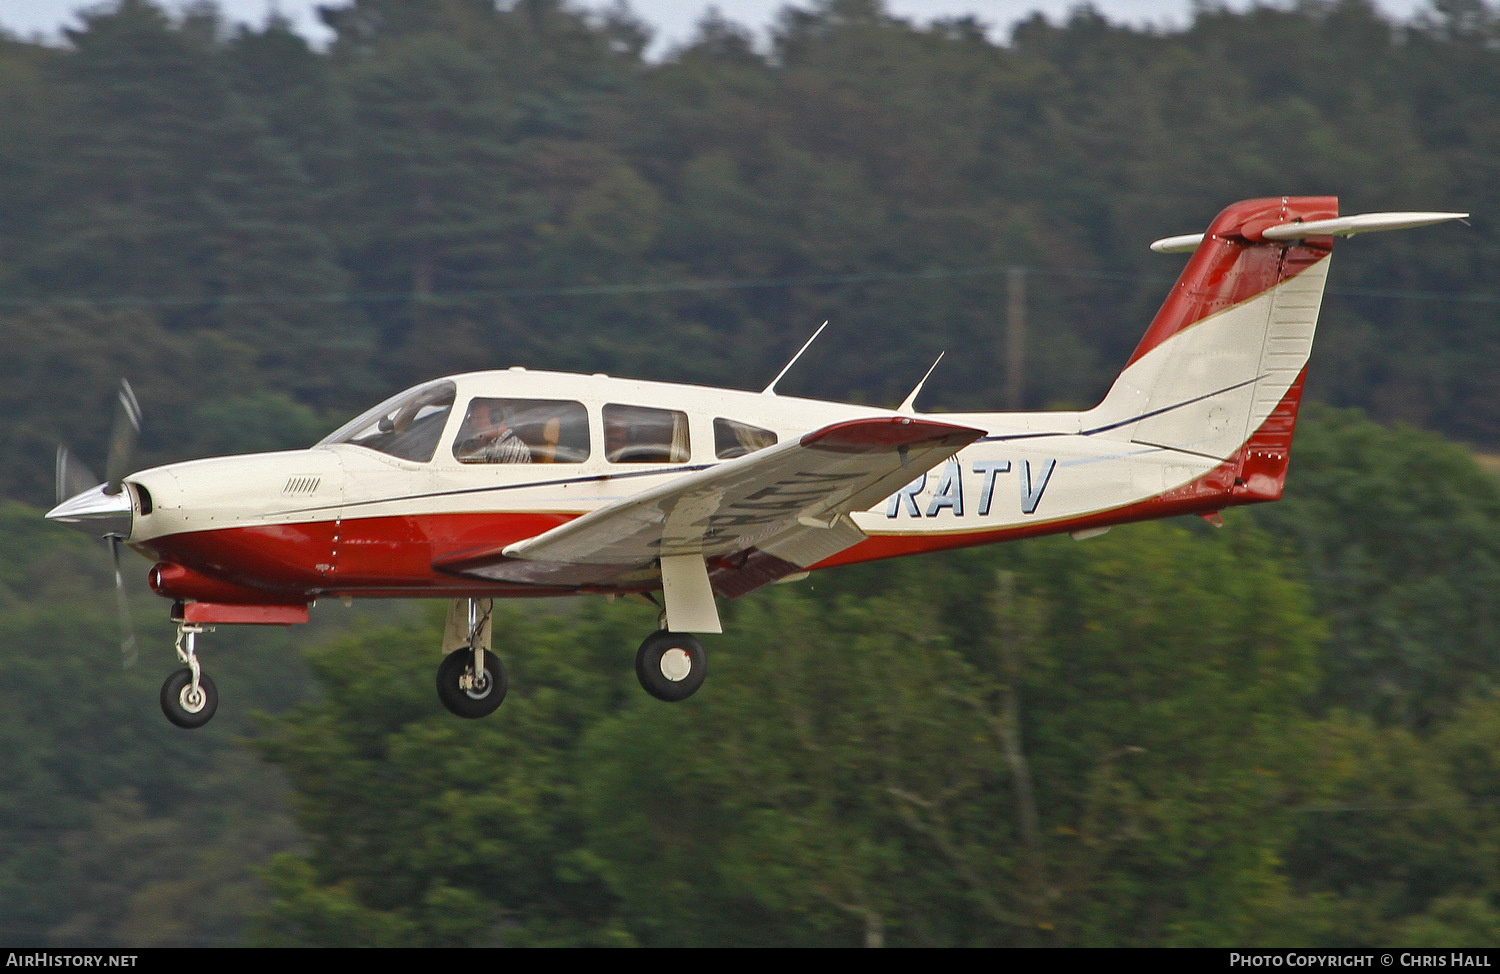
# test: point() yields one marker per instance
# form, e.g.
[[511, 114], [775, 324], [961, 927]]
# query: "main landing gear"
[[189, 698], [671, 665], [471, 680]]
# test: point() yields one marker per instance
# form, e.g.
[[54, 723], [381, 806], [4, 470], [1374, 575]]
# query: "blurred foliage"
[[860, 770], [1286, 732], [1114, 742], [115, 827], [1399, 534], [226, 214]]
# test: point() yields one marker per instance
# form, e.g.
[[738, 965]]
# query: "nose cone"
[[95, 512]]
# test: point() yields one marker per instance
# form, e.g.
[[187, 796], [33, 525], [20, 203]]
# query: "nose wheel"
[[188, 697], [188, 703], [671, 665]]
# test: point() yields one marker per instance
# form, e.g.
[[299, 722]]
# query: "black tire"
[[470, 704], [671, 665], [180, 705]]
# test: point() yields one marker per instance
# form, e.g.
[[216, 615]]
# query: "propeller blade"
[[128, 654], [73, 478], [122, 438]]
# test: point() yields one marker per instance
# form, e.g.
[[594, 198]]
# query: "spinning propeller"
[[103, 509], [122, 439]]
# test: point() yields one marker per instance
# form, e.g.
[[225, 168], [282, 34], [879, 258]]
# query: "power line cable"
[[670, 287]]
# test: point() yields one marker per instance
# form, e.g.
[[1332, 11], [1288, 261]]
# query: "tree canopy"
[[1283, 732], [457, 185]]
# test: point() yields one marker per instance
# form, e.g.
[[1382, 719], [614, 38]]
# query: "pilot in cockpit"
[[489, 437]]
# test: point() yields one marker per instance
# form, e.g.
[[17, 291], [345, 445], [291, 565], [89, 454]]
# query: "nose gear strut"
[[189, 697]]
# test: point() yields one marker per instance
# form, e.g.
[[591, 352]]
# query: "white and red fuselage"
[[1200, 419]]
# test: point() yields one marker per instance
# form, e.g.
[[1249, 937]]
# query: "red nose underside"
[[366, 556]]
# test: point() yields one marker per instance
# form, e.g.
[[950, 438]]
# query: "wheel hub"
[[192, 699], [676, 664], [479, 686]]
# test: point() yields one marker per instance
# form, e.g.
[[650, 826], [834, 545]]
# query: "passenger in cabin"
[[488, 436]]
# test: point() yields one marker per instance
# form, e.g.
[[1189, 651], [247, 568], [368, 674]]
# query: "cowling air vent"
[[301, 485]]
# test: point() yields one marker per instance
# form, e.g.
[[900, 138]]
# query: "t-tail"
[[1219, 373]]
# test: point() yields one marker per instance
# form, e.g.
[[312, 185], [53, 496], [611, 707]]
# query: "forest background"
[[1286, 731]]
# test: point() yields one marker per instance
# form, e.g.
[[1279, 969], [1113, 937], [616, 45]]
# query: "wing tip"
[[884, 434]]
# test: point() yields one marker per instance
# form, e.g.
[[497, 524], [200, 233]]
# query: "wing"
[[751, 520]]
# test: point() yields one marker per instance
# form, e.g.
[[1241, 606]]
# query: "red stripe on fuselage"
[[281, 559], [391, 555], [1228, 269], [1255, 473]]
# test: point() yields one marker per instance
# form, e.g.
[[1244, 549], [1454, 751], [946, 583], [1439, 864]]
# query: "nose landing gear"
[[188, 697]]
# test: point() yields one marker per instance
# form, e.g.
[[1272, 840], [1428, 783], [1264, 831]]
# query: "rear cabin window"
[[523, 431], [642, 434], [732, 439]]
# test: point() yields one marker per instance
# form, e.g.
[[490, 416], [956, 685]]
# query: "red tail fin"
[[1219, 372], [1234, 263]]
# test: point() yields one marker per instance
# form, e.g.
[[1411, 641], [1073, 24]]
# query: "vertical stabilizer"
[[1219, 372]]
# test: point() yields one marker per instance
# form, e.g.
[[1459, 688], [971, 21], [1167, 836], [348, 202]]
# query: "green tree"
[[429, 830], [116, 828], [1399, 533], [1110, 755]]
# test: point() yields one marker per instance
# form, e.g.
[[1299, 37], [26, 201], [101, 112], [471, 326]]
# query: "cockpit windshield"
[[407, 426]]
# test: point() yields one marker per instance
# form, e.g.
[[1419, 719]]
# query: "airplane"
[[522, 483]]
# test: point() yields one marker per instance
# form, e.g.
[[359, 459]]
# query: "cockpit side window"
[[643, 434], [523, 431], [407, 426], [733, 439]]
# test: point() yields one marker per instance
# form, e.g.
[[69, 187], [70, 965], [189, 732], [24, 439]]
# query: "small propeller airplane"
[[521, 483]]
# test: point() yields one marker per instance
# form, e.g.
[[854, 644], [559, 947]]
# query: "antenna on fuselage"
[[770, 390], [909, 403]]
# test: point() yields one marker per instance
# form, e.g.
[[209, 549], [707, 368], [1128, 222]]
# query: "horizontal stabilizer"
[[1341, 226], [1348, 226], [1184, 243]]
